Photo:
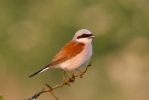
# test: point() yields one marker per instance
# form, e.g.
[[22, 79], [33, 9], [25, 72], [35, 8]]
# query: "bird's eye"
[[84, 36]]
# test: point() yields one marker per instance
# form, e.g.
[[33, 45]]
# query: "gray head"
[[84, 36]]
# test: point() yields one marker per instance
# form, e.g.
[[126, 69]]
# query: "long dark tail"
[[40, 71]]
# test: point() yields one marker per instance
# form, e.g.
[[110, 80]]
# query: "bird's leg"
[[71, 77], [64, 76], [80, 73], [68, 73]]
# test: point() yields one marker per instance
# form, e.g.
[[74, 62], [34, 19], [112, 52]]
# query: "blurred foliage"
[[33, 31], [1, 97]]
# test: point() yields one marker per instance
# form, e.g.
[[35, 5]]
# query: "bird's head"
[[84, 36]]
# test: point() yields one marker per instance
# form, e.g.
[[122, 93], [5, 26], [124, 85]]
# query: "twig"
[[67, 82]]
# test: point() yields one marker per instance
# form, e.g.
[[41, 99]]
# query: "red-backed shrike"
[[75, 54]]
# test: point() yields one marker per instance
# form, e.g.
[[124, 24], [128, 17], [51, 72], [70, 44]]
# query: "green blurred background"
[[33, 31]]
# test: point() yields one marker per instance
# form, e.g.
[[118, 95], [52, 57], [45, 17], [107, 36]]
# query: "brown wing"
[[70, 50]]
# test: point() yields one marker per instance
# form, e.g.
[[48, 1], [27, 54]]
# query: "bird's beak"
[[92, 36]]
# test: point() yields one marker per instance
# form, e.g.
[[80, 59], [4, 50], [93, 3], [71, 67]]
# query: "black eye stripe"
[[84, 36]]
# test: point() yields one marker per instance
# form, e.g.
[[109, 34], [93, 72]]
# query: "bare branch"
[[50, 89]]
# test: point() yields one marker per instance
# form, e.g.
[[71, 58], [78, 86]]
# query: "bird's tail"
[[40, 71]]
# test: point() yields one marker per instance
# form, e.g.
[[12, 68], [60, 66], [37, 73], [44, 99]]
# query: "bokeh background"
[[33, 31]]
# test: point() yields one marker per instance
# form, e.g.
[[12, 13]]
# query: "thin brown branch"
[[50, 89]]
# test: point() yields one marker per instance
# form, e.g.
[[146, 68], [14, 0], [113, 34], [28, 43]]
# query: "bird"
[[74, 55]]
